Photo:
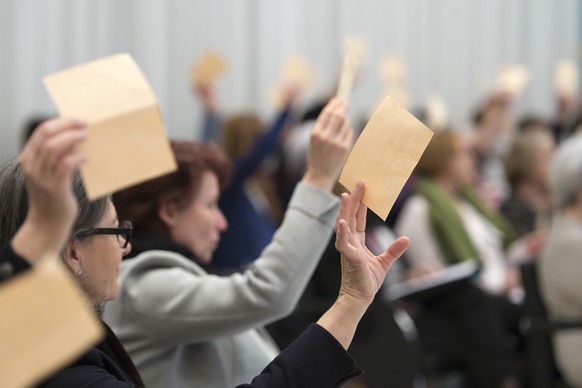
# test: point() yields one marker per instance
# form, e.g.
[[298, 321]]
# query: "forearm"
[[342, 319], [36, 240]]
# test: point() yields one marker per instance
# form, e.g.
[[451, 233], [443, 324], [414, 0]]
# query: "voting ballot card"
[[350, 66], [208, 68], [47, 324], [126, 141], [385, 155]]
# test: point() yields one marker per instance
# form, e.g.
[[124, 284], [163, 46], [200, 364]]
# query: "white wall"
[[453, 47]]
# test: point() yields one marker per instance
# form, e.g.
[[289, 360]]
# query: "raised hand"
[[47, 161], [362, 272], [331, 142]]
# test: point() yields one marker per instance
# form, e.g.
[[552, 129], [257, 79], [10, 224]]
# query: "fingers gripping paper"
[[127, 143], [385, 155], [46, 325]]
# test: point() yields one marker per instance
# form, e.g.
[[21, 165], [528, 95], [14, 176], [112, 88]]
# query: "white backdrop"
[[453, 47]]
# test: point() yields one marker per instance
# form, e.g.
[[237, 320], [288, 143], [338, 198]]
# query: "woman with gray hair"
[[561, 264]]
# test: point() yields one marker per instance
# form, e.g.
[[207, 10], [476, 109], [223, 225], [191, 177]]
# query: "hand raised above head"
[[47, 161], [362, 272], [330, 143]]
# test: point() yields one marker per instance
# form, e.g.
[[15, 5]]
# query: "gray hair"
[[566, 171], [14, 203]]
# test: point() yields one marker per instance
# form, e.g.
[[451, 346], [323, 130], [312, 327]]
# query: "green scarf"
[[447, 224]]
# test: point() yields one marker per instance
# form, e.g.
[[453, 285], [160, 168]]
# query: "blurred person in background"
[[561, 262]]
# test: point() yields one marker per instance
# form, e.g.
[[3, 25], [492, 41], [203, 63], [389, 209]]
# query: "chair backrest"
[[542, 369]]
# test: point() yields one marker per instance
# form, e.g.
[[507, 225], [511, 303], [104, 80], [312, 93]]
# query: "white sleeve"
[[414, 222]]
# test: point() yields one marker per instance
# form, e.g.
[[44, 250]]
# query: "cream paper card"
[[385, 155], [126, 142], [350, 65], [513, 79], [208, 68], [46, 324], [567, 78], [298, 71]]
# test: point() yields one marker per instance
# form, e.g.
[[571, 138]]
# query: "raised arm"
[[47, 161], [362, 272]]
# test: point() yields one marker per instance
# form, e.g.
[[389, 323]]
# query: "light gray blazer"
[[185, 328]]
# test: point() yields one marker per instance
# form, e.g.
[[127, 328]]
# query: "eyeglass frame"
[[126, 232]]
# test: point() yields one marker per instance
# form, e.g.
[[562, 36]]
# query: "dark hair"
[[14, 203], [140, 203]]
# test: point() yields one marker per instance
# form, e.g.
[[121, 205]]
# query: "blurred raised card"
[[126, 142], [513, 79], [208, 68]]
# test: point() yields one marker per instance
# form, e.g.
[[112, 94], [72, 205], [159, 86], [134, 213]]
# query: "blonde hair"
[[239, 133], [438, 155], [523, 153]]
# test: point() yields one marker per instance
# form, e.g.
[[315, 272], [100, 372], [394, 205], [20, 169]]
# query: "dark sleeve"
[[86, 376], [315, 359], [210, 127], [10, 263], [266, 144]]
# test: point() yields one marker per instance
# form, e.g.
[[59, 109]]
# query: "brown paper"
[[208, 68], [385, 155], [350, 66], [46, 324], [127, 143]]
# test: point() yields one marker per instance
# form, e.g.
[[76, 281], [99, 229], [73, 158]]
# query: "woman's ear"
[[167, 213], [72, 256]]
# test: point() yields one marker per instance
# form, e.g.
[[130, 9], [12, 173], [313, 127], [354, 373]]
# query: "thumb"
[[394, 251]]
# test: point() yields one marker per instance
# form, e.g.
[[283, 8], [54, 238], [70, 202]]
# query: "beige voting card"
[[208, 68], [567, 78], [513, 79], [350, 66], [437, 114], [385, 155], [126, 142], [46, 324], [392, 69], [299, 71], [360, 46]]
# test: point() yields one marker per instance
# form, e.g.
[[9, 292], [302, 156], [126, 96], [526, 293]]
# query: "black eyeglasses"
[[122, 233]]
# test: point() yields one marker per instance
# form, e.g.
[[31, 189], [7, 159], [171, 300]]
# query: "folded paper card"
[[127, 143], [385, 155], [47, 323], [350, 66], [208, 68]]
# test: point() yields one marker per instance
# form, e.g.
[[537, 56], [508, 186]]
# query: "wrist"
[[322, 182]]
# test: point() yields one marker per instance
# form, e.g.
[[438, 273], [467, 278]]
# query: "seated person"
[[179, 323], [526, 166], [448, 224], [560, 262]]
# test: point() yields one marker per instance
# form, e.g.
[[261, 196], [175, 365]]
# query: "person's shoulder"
[[158, 260]]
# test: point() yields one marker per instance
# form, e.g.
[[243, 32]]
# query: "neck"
[[448, 185], [534, 195]]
